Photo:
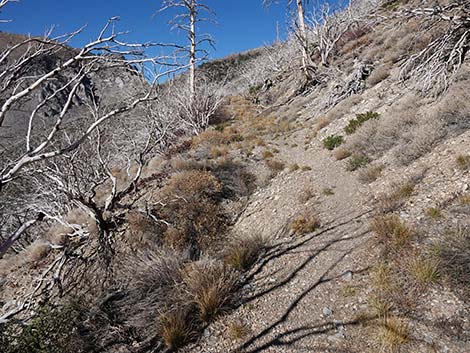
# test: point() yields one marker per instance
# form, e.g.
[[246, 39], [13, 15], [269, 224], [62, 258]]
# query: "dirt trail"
[[306, 291]]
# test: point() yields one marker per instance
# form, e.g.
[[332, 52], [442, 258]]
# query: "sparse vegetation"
[[241, 253], [434, 212], [393, 334], [391, 231], [304, 224], [360, 119], [370, 174], [332, 141], [463, 161], [423, 270], [356, 162], [341, 153]]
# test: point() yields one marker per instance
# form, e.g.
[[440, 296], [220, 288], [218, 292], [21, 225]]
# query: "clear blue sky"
[[242, 24]]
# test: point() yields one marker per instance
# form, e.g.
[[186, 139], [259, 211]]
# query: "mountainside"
[[328, 214]]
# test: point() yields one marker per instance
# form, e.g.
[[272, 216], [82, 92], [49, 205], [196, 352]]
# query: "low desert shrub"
[[275, 166], [53, 329], [304, 224], [370, 174], [360, 119], [356, 162], [341, 153], [378, 75], [332, 141], [463, 162]]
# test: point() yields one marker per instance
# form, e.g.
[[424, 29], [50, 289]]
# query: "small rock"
[[327, 312], [347, 275]]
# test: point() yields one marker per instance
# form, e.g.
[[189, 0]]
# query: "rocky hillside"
[[323, 216]]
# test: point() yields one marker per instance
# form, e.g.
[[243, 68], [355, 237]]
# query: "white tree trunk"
[[192, 53], [303, 38]]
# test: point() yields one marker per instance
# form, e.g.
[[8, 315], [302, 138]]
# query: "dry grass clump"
[[275, 166], [424, 128], [193, 184], [464, 199], [238, 330], [382, 278], [378, 75], [191, 203], [434, 212], [391, 231], [454, 254], [341, 153], [216, 152], [463, 162], [177, 329], [424, 270], [322, 123], [370, 174], [393, 334], [181, 164], [304, 224], [305, 195], [213, 137], [143, 232], [381, 307], [395, 199], [38, 250], [267, 154], [293, 167], [242, 252], [210, 285]]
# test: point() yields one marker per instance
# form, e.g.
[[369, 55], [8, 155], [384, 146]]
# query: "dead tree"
[[328, 28], [301, 34], [192, 13], [433, 68]]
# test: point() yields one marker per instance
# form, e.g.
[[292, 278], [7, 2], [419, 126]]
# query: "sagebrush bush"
[[332, 141]]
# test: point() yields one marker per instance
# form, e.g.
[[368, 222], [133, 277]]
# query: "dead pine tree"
[[189, 14], [301, 34]]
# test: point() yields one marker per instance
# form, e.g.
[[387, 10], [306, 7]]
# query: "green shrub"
[[354, 124], [52, 330], [356, 162], [332, 141]]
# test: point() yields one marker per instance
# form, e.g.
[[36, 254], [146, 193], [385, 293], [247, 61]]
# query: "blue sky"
[[242, 24]]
